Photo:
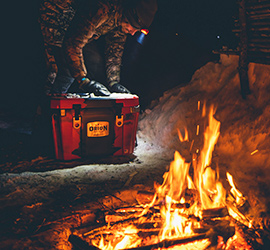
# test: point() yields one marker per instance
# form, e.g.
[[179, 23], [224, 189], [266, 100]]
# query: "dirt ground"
[[42, 198]]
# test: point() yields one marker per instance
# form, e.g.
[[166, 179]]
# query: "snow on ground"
[[245, 127]]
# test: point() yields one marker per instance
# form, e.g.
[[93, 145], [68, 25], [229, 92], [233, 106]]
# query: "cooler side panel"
[[72, 138], [57, 137], [127, 133], [66, 137], [130, 131]]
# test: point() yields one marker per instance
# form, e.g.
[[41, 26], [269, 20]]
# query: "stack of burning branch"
[[185, 212]]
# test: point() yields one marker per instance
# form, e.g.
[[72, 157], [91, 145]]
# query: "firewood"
[[133, 220], [215, 212], [129, 209], [172, 242], [215, 222], [161, 244], [180, 205], [143, 232], [112, 218], [80, 244], [123, 214]]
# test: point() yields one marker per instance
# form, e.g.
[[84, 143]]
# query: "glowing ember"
[[254, 152], [122, 239], [180, 204]]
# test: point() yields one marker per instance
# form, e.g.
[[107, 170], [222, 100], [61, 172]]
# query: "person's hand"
[[94, 87], [119, 88]]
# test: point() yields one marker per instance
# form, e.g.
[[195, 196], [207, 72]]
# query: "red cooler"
[[85, 125]]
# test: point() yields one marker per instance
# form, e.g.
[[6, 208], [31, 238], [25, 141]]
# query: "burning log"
[[81, 244], [173, 242], [123, 214], [215, 212], [221, 227], [247, 238], [143, 226]]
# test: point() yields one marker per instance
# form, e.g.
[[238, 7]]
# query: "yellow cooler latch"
[[77, 119], [77, 123], [119, 121]]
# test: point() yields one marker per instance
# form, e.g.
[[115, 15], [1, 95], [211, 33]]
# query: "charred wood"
[[220, 227], [79, 244], [144, 230], [136, 221], [251, 237], [215, 212], [133, 209]]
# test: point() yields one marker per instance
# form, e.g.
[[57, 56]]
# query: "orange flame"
[[126, 238], [174, 180], [177, 180], [212, 193], [181, 137]]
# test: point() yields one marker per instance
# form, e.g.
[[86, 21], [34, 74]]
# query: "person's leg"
[[94, 62], [64, 79], [62, 84], [95, 65]]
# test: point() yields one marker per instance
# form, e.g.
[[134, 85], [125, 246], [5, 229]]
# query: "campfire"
[[191, 209]]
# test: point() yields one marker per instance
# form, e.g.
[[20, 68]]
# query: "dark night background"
[[181, 40]]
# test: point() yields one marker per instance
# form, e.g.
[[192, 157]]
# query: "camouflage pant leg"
[[64, 79], [95, 62], [62, 84]]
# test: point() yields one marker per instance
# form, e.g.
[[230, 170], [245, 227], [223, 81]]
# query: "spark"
[[254, 152]]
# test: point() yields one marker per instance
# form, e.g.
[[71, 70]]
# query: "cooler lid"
[[86, 100]]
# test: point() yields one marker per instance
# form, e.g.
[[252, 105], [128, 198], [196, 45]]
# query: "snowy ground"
[[245, 127]]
